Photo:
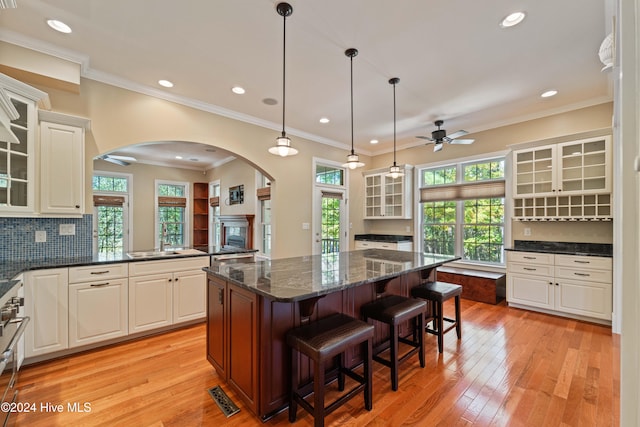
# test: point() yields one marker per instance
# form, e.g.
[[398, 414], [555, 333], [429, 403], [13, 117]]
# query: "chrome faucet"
[[163, 238]]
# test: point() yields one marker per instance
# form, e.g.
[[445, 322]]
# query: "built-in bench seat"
[[477, 285]]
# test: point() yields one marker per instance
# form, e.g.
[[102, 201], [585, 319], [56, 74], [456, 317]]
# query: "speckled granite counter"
[[568, 248], [394, 238], [295, 279], [10, 269]]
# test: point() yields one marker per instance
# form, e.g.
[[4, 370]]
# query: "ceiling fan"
[[439, 136], [118, 160]]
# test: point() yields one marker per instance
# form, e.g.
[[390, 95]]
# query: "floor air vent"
[[223, 401]]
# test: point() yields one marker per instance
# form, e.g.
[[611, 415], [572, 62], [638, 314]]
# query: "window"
[[329, 175], [172, 214], [214, 202], [462, 210], [330, 214], [263, 194], [110, 214]]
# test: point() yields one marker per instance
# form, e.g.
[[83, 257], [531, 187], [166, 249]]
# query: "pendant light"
[[283, 146], [352, 159], [394, 170]]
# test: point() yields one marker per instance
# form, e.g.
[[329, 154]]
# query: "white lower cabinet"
[[97, 311], [150, 302], [177, 293], [563, 284], [46, 303]]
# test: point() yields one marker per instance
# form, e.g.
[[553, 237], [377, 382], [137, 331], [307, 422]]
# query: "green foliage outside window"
[[329, 175], [481, 221], [330, 225], [109, 183], [173, 217]]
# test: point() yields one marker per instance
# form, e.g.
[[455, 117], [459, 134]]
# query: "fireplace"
[[237, 231]]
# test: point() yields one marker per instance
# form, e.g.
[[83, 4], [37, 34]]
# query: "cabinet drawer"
[[602, 276], [530, 257], [531, 269], [576, 261], [97, 272], [368, 244], [167, 265]]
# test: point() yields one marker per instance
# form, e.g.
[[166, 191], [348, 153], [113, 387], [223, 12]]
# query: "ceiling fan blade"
[[110, 159], [457, 134], [437, 147], [123, 158], [462, 141], [426, 137]]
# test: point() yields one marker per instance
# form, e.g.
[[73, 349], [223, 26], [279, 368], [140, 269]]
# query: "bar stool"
[[436, 293], [321, 341], [393, 310]]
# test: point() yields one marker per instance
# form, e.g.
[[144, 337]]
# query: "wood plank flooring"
[[511, 368]]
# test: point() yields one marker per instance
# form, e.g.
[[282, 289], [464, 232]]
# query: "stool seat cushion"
[[329, 336], [393, 309], [436, 291]]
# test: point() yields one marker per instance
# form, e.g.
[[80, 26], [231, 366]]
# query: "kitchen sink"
[[167, 253]]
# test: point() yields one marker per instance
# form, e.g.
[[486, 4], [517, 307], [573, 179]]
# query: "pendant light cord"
[[352, 152], [284, 55], [394, 124]]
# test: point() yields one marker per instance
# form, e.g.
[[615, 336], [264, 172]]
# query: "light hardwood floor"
[[511, 368]]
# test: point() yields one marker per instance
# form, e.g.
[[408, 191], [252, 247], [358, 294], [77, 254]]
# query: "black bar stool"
[[436, 293], [394, 310], [321, 341]]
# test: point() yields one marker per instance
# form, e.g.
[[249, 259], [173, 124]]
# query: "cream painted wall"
[[120, 118], [236, 172], [143, 205]]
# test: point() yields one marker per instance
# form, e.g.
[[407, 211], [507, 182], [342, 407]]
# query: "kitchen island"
[[251, 306]]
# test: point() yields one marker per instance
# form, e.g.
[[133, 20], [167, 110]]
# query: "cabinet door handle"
[[221, 296], [100, 272], [582, 274], [529, 269], [581, 262], [529, 257], [97, 285]]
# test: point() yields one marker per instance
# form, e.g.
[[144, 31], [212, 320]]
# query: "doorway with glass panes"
[[111, 237], [330, 217]]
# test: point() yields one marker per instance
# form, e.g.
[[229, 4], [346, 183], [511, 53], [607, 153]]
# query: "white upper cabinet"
[[576, 167], [17, 145], [62, 176], [387, 197]]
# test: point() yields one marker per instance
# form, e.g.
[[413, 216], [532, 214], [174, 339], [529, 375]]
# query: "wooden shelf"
[[200, 214]]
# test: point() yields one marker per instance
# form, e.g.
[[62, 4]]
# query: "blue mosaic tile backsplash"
[[18, 238]]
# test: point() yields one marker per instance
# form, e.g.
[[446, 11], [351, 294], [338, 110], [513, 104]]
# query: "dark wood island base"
[[252, 306]]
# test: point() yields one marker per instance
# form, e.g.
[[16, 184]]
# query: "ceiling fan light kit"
[[353, 161], [394, 170], [283, 146]]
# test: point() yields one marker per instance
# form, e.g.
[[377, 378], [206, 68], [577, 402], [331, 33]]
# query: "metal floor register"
[[223, 401]]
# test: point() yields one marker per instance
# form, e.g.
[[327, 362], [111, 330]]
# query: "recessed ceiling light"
[[179, 157], [513, 19], [237, 89], [165, 83], [549, 93], [59, 26], [324, 120], [374, 141]]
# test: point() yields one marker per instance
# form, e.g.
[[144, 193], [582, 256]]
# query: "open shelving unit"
[[200, 214]]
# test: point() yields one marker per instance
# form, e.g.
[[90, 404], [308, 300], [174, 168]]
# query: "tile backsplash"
[[18, 238]]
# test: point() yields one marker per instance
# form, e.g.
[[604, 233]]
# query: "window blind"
[[264, 193], [108, 200], [214, 201], [172, 202], [471, 190], [331, 195]]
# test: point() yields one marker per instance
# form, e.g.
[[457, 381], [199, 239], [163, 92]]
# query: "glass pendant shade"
[[283, 147], [353, 162], [395, 171]]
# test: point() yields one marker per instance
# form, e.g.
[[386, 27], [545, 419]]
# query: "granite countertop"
[[567, 248], [10, 269], [383, 238], [299, 278]]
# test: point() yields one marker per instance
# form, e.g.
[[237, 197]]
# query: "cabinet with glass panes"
[[388, 197], [582, 166]]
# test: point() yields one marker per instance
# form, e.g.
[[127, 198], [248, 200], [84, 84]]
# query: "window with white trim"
[[462, 210], [172, 215]]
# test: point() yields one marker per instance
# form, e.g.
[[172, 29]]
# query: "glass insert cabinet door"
[[16, 160]]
